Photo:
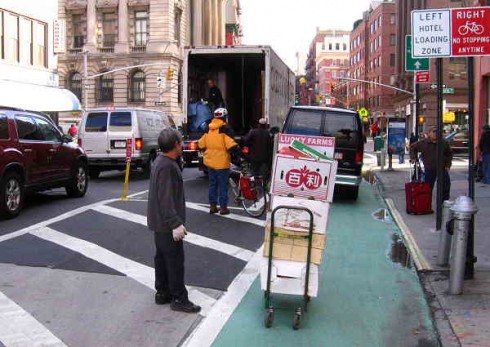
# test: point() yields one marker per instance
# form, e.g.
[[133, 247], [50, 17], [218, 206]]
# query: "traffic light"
[[170, 74], [421, 120]]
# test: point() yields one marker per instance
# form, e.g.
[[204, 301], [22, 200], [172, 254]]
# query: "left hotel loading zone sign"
[[431, 32]]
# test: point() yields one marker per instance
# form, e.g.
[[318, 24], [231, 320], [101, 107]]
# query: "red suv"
[[35, 156]]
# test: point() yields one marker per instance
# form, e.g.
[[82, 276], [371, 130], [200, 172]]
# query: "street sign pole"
[[417, 108], [470, 257], [440, 153]]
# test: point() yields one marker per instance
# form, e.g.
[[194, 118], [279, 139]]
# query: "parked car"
[[458, 140], [35, 156], [346, 127], [103, 134]]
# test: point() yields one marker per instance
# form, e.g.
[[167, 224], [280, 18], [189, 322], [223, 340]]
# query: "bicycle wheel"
[[257, 206]]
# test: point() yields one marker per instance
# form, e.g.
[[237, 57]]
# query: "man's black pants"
[[169, 266]]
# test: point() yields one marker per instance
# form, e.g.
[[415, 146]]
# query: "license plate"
[[338, 156], [119, 144]]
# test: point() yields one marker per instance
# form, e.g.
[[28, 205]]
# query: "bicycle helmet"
[[220, 112]]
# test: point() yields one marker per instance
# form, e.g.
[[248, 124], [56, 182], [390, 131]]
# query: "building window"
[[12, 37], [344, 46], [337, 46], [40, 50], [392, 39], [329, 46], [75, 84], [177, 25], [109, 21], [392, 18], [78, 34], [137, 86], [25, 44], [392, 60], [105, 92], [141, 28]]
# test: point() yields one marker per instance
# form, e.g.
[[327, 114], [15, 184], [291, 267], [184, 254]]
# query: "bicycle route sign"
[[456, 32]]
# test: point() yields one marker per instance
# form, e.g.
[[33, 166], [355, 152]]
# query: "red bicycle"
[[249, 190]]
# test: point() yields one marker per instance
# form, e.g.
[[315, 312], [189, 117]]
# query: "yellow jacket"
[[217, 143]]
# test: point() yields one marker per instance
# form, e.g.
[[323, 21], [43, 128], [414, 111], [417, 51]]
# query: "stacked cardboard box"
[[303, 177]]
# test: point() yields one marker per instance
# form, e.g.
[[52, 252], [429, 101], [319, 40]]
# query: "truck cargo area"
[[240, 77]]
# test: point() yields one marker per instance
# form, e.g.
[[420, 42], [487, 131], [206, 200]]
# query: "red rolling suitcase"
[[418, 194]]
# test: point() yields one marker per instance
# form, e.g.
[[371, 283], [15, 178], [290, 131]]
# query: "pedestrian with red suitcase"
[[427, 148], [418, 193]]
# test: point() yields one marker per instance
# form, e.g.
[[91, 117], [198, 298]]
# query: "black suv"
[[345, 126], [35, 156]]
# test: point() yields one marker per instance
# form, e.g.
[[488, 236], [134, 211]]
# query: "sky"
[[289, 26]]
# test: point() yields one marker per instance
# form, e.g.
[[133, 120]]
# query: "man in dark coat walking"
[[259, 143], [166, 218]]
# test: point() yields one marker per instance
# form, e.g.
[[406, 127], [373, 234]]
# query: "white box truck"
[[253, 81]]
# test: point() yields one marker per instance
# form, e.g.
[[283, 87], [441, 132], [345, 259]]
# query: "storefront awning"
[[34, 97]]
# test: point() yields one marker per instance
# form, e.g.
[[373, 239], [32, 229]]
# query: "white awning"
[[35, 97]]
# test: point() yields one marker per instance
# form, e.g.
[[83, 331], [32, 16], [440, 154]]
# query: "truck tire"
[[11, 195], [77, 187]]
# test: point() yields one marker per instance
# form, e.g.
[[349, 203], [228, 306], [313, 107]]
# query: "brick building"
[[372, 59], [328, 60]]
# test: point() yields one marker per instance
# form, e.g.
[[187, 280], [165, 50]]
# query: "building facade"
[[373, 43], [327, 63], [233, 25], [130, 52], [28, 65], [454, 74]]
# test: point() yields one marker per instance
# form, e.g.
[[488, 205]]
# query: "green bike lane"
[[365, 298]]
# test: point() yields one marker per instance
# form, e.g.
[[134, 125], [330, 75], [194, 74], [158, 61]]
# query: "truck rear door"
[[94, 139], [120, 129]]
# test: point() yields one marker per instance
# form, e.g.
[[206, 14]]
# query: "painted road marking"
[[231, 216], [209, 328], [18, 328], [420, 261], [139, 272], [193, 238]]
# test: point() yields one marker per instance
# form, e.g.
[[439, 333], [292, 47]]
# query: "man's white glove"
[[179, 233]]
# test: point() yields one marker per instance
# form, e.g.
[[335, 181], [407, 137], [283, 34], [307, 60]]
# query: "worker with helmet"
[[218, 146]]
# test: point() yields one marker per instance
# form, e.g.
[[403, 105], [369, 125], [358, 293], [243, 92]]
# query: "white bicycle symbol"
[[471, 27]]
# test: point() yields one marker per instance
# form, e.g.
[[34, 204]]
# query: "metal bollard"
[[464, 208], [445, 237]]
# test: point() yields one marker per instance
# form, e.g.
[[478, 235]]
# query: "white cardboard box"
[[288, 277], [303, 177], [300, 220]]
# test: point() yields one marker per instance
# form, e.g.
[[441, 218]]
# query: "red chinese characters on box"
[[304, 178]]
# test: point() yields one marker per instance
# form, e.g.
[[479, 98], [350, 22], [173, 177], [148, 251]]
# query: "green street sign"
[[414, 64], [448, 91]]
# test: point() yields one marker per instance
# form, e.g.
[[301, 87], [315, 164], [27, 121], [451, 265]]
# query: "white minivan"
[[103, 134]]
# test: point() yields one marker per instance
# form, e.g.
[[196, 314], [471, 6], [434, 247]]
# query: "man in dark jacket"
[[215, 98], [259, 143], [484, 146], [166, 218], [428, 149]]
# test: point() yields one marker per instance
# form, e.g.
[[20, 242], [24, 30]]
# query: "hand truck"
[[269, 316]]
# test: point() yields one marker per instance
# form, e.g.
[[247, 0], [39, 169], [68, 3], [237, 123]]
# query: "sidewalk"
[[462, 320]]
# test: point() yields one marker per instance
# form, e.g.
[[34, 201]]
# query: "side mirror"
[[66, 139]]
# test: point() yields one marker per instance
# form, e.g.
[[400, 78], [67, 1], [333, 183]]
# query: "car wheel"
[[147, 167], [11, 195], [94, 173], [78, 183], [353, 193]]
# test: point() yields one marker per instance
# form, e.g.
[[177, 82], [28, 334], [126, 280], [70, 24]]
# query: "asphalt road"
[[79, 272]]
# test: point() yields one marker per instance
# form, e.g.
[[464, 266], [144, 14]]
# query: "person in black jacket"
[[484, 146], [259, 143], [166, 218], [215, 98]]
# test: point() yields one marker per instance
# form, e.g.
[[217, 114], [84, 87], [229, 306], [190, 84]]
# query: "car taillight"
[[79, 142], [245, 150], [138, 144], [359, 156], [193, 146]]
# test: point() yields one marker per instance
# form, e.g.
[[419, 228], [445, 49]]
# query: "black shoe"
[[162, 298], [184, 306]]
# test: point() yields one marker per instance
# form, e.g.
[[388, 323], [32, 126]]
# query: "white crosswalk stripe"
[[139, 272], [19, 329], [193, 238]]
